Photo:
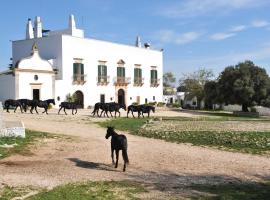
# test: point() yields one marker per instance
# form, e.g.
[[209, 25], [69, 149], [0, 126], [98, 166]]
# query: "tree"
[[245, 84], [168, 83], [210, 94], [193, 83]]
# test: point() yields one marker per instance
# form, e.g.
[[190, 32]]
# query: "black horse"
[[42, 104], [112, 107], [12, 102], [134, 108], [25, 103], [147, 109], [68, 105], [96, 108], [118, 142]]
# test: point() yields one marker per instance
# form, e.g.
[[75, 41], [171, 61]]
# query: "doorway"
[[36, 94], [79, 99], [121, 97]]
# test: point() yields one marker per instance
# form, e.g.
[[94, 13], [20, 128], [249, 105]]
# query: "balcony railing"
[[138, 81], [79, 79], [154, 82], [103, 80], [121, 80]]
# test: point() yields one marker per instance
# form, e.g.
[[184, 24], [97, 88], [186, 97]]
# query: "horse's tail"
[[125, 156]]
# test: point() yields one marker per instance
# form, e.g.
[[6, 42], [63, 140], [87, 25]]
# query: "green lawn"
[[92, 190], [22, 144], [232, 191], [248, 142]]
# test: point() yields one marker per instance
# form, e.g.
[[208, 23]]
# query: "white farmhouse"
[[53, 64]]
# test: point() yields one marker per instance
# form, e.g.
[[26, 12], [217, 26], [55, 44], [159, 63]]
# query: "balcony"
[[103, 80], [138, 81], [154, 82], [79, 79], [121, 81]]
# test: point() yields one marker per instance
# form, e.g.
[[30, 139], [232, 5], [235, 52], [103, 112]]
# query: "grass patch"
[[124, 124], [92, 190], [21, 144], [8, 193], [247, 142], [232, 191]]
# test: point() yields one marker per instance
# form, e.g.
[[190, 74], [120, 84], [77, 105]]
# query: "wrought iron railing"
[[121, 80], [138, 81], [79, 78], [103, 80], [154, 82]]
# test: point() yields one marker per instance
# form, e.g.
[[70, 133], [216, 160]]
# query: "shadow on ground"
[[91, 165]]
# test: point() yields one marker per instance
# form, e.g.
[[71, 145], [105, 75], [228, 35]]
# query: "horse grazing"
[[118, 142], [12, 102], [147, 109], [42, 104], [112, 107], [68, 105], [134, 108]]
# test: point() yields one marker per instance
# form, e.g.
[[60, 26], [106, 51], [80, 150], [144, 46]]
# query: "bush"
[[176, 105], [152, 103], [160, 104], [253, 109], [135, 104]]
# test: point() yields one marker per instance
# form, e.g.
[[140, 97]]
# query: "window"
[[137, 75], [146, 101], [120, 72], [102, 98], [154, 76], [78, 72], [36, 77], [102, 73], [154, 98]]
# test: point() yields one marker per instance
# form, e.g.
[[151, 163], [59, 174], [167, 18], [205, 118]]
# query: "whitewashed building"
[[57, 63]]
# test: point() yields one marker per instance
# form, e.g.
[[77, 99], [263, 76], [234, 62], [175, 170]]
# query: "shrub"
[[135, 104], [175, 105], [152, 103], [160, 104]]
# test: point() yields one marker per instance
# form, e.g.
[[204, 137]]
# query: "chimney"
[[38, 28], [29, 30], [71, 24], [138, 42]]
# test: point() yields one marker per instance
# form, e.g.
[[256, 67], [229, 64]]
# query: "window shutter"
[[82, 69], [140, 73], [75, 68], [104, 70], [99, 70]]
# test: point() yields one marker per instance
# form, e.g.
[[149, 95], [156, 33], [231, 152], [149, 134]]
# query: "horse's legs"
[[148, 114], [117, 156], [15, 108], [65, 111], [142, 115], [132, 114], [76, 110], [127, 113], [59, 110], [21, 109], [72, 111], [7, 108], [36, 109], [112, 156]]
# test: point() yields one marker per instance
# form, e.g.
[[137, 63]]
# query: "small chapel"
[[58, 64]]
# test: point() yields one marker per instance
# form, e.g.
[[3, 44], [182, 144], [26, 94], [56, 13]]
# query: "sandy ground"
[[164, 168]]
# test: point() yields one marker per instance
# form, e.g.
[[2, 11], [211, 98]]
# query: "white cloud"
[[169, 36], [222, 36], [191, 8], [238, 28], [259, 23]]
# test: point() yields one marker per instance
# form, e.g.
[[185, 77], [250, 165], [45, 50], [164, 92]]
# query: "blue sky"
[[194, 34]]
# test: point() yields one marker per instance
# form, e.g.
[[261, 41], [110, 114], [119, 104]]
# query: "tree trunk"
[[244, 107]]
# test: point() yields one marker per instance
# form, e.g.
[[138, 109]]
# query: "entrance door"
[[121, 97], [36, 94], [79, 99]]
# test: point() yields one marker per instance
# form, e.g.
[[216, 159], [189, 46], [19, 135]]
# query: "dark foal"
[[118, 142]]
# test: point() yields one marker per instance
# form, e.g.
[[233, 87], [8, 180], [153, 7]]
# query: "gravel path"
[[163, 167]]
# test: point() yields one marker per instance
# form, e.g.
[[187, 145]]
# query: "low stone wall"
[[10, 129], [13, 132], [263, 111], [246, 114]]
